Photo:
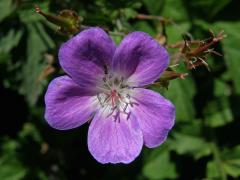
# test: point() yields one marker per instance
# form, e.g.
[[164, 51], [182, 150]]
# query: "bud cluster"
[[194, 53]]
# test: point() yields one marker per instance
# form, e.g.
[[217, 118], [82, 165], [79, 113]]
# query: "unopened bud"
[[167, 76], [170, 75], [68, 21]]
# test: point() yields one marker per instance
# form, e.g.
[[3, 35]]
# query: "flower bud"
[[167, 76], [68, 21], [170, 75]]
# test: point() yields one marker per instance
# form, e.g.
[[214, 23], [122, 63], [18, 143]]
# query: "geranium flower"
[[105, 85]]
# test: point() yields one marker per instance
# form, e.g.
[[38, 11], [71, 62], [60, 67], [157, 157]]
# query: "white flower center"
[[115, 98]]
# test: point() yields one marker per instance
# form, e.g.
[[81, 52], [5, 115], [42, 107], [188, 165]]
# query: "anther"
[[100, 100], [128, 116]]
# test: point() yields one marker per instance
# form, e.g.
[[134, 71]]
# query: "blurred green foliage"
[[204, 143]]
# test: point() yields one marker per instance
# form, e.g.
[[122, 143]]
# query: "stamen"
[[99, 100], [115, 97], [125, 107], [111, 113], [117, 117], [128, 115], [106, 99]]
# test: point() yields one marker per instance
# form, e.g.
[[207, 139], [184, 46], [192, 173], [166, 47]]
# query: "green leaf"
[[10, 40], [48, 42], [28, 15], [4, 58], [175, 10], [232, 169], [226, 163], [217, 6], [231, 159], [231, 50], [167, 8], [181, 93], [221, 88], [38, 43], [191, 129], [218, 112], [10, 167], [208, 7], [7, 8], [212, 170], [154, 6], [129, 13], [160, 167], [30, 130], [175, 32], [12, 171], [186, 144], [144, 26]]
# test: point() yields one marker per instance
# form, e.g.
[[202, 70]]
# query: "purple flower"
[[106, 84]]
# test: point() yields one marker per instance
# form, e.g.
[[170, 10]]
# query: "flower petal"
[[140, 57], [111, 141], [156, 116], [67, 105], [85, 56]]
